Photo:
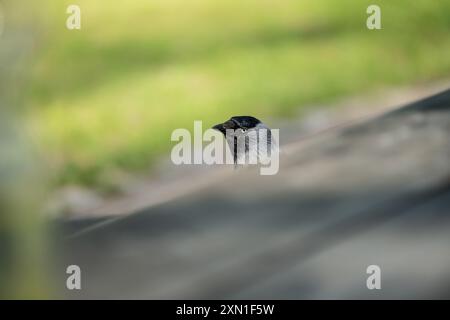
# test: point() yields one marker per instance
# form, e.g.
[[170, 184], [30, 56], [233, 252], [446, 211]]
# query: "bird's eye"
[[244, 130]]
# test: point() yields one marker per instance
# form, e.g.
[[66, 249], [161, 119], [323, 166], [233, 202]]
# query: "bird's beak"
[[219, 127], [222, 127]]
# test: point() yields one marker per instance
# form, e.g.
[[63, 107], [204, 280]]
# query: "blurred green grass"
[[104, 100]]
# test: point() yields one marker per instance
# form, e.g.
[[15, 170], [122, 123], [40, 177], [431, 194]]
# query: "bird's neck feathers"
[[252, 146]]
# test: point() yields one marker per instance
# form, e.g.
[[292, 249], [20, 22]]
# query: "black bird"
[[247, 128]]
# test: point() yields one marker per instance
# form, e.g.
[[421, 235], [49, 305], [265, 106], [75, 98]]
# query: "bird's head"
[[243, 123], [245, 130]]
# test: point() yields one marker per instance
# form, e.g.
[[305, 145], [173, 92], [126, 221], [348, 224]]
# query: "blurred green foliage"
[[24, 236], [104, 99]]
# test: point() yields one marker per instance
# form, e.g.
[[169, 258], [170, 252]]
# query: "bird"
[[246, 139]]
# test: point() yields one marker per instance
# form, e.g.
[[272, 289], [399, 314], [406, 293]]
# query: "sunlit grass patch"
[[105, 99]]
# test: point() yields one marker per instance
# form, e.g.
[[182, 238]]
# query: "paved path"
[[376, 192]]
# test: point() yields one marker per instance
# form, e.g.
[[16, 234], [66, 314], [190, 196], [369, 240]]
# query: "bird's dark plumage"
[[241, 127]]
